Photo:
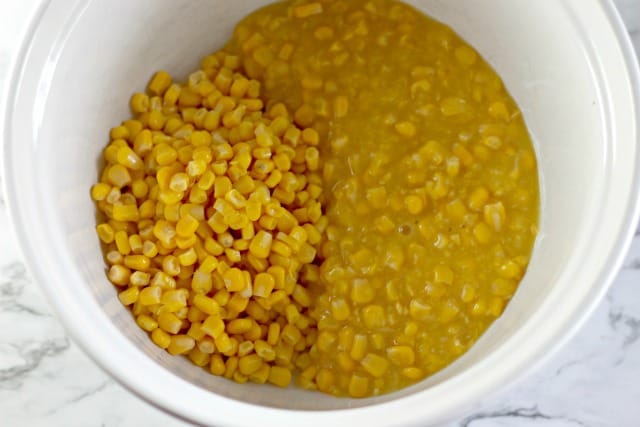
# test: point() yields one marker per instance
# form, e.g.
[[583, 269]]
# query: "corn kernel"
[[279, 376], [160, 83], [181, 344], [406, 129], [358, 385], [261, 244], [216, 365], [169, 322], [129, 296], [306, 10], [375, 365], [161, 338]]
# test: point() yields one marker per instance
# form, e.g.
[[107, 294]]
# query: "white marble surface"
[[46, 381]]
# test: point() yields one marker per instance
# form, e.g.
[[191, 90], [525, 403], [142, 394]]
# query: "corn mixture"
[[346, 191]]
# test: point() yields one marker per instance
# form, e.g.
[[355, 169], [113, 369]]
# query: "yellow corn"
[[229, 250], [279, 376], [358, 386], [169, 322], [181, 344]]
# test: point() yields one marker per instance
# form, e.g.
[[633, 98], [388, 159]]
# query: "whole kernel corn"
[[129, 296], [289, 272], [279, 376]]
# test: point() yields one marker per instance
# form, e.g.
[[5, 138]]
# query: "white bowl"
[[568, 63]]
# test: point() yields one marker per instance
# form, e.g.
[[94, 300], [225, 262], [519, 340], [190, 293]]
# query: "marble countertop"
[[45, 380]]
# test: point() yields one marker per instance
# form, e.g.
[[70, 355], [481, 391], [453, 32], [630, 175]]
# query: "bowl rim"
[[624, 235]]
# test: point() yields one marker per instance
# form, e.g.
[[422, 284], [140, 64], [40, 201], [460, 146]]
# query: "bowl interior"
[[94, 63]]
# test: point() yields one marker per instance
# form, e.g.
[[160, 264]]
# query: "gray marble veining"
[[46, 381]]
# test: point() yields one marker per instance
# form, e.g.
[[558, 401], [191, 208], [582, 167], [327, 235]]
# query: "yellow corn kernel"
[[375, 365], [413, 373], [119, 275], [503, 287], [273, 334], [171, 265], [443, 274], [359, 347], [216, 365], [187, 226], [181, 344], [301, 296], [234, 280], [239, 326], [201, 282], [279, 376], [156, 121], [146, 322], [492, 142], [340, 309], [169, 322], [499, 111], [290, 334], [100, 191], [122, 242], [496, 306], [453, 106], [150, 295], [306, 10], [478, 199], [238, 302], [137, 262], [324, 379], [129, 159], [261, 375], [207, 305], [118, 175], [406, 129], [482, 232], [188, 257], [160, 338], [419, 310], [245, 348], [468, 293], [223, 343], [206, 344], [494, 215], [248, 365], [139, 278], [312, 158], [260, 246], [384, 224], [163, 280], [105, 233], [292, 314], [401, 355], [510, 270], [265, 350], [129, 296], [198, 357], [373, 316], [414, 204], [213, 326], [139, 103], [125, 212], [159, 83], [362, 291], [358, 385], [195, 331], [263, 285]]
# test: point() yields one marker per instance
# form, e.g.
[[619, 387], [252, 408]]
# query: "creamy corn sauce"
[[430, 179], [346, 191]]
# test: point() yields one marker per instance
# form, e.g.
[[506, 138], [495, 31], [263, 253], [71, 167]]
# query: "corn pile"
[[213, 219]]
